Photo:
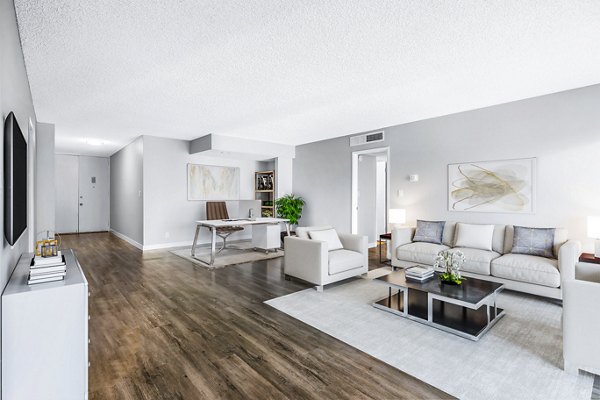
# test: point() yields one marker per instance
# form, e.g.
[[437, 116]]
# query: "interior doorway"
[[82, 194], [370, 189]]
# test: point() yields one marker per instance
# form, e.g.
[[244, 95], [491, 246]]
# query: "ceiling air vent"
[[366, 138]]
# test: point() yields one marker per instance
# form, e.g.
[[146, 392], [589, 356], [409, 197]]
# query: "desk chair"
[[218, 210]]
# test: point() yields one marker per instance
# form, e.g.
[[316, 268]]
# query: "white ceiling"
[[291, 71]]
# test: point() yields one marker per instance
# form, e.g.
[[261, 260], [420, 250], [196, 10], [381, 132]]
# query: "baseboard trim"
[[127, 239], [188, 243], [168, 245]]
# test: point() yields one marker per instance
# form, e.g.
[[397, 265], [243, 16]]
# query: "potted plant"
[[450, 263], [290, 207]]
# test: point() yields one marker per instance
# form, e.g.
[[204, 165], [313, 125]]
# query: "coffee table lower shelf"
[[446, 314]]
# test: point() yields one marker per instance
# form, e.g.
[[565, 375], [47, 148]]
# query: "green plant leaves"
[[290, 207]]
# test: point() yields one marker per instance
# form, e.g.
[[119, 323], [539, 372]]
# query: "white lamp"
[[397, 216], [593, 228]]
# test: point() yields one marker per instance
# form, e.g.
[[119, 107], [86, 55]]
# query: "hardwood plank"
[[164, 328]]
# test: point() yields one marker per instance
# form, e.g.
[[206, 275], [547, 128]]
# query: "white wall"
[[15, 96], [562, 130], [45, 195], [126, 192], [168, 215]]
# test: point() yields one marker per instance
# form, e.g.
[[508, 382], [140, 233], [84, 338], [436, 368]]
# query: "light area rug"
[[240, 253], [519, 358]]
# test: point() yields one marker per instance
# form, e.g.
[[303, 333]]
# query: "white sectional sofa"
[[522, 272]]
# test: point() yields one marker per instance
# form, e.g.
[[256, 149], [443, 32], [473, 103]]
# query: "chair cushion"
[[344, 260], [419, 252], [429, 231], [329, 236], [302, 231], [527, 268], [474, 236], [477, 261]]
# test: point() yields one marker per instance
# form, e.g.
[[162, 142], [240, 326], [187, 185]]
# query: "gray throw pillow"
[[429, 231], [534, 241]]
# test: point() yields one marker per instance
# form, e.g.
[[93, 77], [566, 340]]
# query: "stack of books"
[[47, 269], [418, 273]]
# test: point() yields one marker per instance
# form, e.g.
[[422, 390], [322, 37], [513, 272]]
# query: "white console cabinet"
[[45, 335]]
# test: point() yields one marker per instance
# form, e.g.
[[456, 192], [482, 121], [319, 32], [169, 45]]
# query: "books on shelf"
[[419, 273], [47, 269]]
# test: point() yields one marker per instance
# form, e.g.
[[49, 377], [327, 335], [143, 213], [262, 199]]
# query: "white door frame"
[[31, 176], [354, 208]]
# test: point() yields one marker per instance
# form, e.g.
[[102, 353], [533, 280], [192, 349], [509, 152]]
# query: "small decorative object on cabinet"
[[264, 188], [450, 264]]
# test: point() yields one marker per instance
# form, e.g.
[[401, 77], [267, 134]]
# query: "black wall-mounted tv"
[[15, 180]]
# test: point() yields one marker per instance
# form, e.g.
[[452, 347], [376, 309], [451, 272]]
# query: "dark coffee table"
[[468, 310]]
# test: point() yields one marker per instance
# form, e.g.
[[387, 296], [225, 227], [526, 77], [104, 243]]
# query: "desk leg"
[[213, 242], [195, 241]]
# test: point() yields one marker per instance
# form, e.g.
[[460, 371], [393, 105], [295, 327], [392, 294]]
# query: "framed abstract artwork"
[[505, 186], [211, 182]]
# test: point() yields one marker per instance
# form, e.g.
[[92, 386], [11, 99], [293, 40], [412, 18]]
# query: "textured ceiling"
[[291, 71]]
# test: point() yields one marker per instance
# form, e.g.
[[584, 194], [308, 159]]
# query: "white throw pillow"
[[330, 236], [474, 236]]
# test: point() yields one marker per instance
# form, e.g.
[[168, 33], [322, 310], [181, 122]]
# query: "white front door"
[[82, 194], [66, 170], [94, 195]]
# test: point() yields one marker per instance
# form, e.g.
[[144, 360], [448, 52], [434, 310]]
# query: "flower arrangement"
[[450, 263]]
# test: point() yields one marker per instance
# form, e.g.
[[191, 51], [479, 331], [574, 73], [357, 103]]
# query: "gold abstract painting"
[[492, 186], [210, 182]]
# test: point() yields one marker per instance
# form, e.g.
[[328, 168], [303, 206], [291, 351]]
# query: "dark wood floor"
[[163, 328]]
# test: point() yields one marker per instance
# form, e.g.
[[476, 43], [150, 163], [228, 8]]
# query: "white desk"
[[213, 225]]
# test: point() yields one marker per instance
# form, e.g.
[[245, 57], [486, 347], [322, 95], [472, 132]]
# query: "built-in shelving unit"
[[264, 190]]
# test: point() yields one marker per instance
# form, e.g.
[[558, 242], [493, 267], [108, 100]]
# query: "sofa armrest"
[[356, 243], [581, 327], [568, 255], [400, 236], [305, 259]]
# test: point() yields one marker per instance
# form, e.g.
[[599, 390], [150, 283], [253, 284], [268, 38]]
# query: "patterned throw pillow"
[[429, 231], [533, 241]]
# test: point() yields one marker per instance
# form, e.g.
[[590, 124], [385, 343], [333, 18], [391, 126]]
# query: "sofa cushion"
[[448, 236], [474, 236], [302, 231], [561, 235], [429, 231], [419, 252], [344, 260], [533, 241], [329, 236], [527, 268], [477, 261]]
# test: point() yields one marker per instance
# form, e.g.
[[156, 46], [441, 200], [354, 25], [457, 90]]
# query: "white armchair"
[[310, 260], [581, 322]]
